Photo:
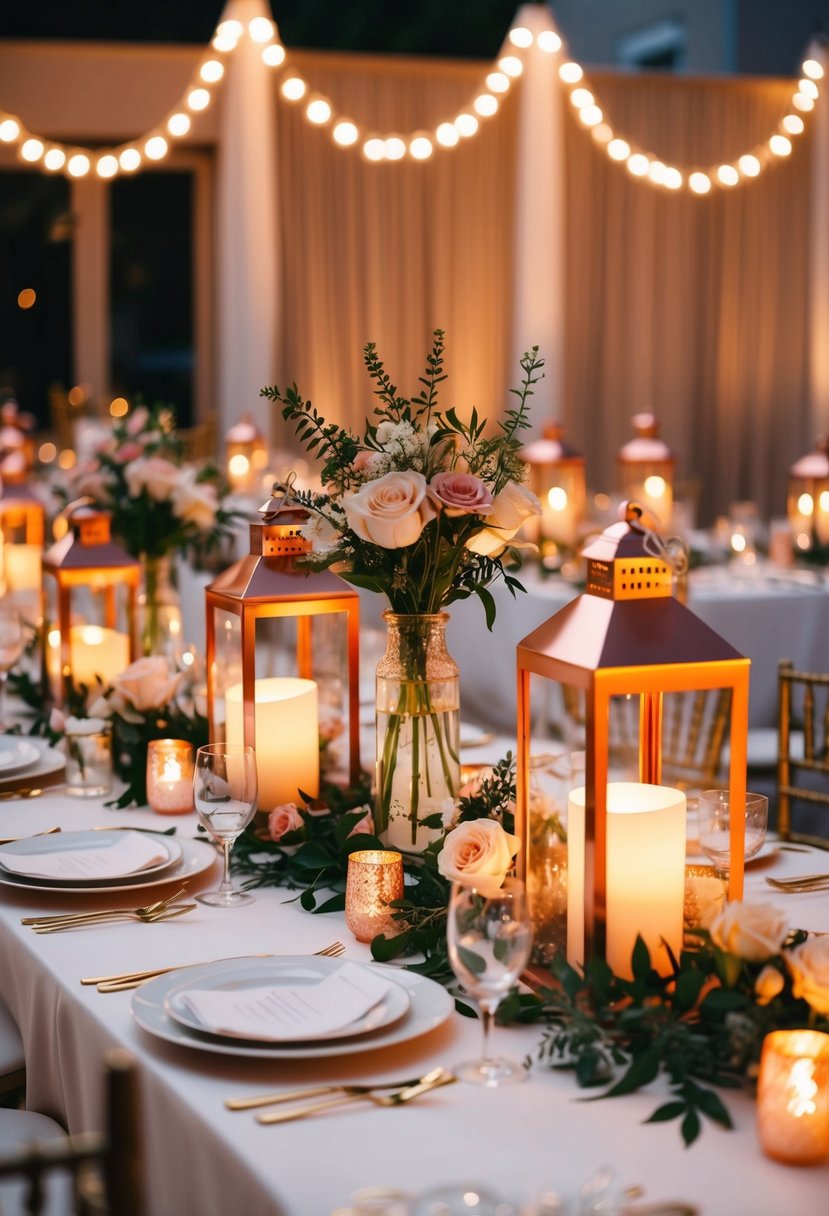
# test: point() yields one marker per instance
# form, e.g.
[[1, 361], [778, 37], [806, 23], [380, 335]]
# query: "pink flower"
[[284, 818], [391, 511], [128, 451], [57, 720], [364, 826], [137, 420], [146, 684], [365, 461], [478, 853], [159, 477], [460, 494]]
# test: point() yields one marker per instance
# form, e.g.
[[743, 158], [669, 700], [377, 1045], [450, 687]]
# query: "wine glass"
[[224, 791], [12, 643], [489, 939], [715, 826]]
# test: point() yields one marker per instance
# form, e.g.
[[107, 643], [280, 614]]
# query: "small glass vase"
[[418, 731], [160, 606]]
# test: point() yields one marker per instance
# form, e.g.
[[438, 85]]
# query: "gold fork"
[[129, 980], [14, 839], [806, 882], [432, 1080], [63, 917], [170, 912]]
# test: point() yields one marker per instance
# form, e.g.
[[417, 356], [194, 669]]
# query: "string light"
[[178, 124], [318, 111], [447, 135], [212, 71], [32, 150], [727, 175], [548, 41], [466, 125], [107, 166], [55, 159], [274, 55], [198, 99], [700, 183], [421, 147], [9, 130], [345, 133], [294, 88], [486, 105], [794, 124], [521, 37], [511, 66], [156, 147], [129, 160], [260, 29], [812, 69]]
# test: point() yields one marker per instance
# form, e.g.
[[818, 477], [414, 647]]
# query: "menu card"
[[129, 855]]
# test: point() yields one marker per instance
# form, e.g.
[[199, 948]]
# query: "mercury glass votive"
[[793, 1096], [170, 776], [375, 878]]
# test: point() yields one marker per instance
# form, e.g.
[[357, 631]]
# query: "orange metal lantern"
[[627, 637], [557, 478], [808, 498], [647, 467], [22, 524], [246, 456], [273, 656], [90, 590]]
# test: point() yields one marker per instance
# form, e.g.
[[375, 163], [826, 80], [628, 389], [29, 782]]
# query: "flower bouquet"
[[424, 508]]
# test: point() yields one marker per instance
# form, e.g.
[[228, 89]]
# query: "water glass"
[[225, 794], [715, 826], [88, 761]]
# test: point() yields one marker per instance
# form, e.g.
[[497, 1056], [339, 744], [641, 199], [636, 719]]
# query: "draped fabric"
[[695, 308], [388, 253]]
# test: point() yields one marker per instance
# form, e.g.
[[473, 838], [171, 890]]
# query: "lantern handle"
[[280, 494], [672, 550], [76, 505]]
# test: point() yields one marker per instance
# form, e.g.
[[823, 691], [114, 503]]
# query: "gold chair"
[[199, 441], [104, 1169], [803, 703]]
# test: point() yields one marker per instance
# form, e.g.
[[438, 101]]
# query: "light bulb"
[[805, 504], [803, 103], [520, 36], [318, 111], [590, 116], [447, 135], [260, 29], [156, 147], [749, 165], [178, 124], [224, 43], [198, 99], [230, 29], [32, 150], [511, 65], [486, 105], [793, 124], [656, 172], [548, 41], [374, 149], [466, 125], [727, 175], [497, 82], [211, 71], [570, 73], [672, 179], [618, 149], [780, 145], [602, 134], [812, 69], [581, 97], [54, 159], [638, 164], [78, 165], [394, 148], [808, 88], [421, 147], [274, 55], [9, 130], [345, 133], [557, 498], [700, 183], [129, 160], [107, 166], [294, 88]]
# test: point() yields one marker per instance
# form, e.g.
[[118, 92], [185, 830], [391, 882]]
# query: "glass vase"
[[418, 729], [159, 606]]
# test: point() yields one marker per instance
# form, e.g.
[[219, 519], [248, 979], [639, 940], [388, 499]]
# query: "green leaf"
[[689, 985], [308, 900], [466, 1011], [312, 856], [723, 1000], [640, 960], [368, 581], [643, 1069], [384, 949], [670, 1110], [711, 1105], [690, 1127], [335, 904], [471, 961], [488, 601]]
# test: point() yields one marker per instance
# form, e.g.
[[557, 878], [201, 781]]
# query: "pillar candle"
[[21, 567], [93, 651], [645, 873], [793, 1096], [287, 737]]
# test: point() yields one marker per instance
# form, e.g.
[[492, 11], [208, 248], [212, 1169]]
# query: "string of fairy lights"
[[77, 162]]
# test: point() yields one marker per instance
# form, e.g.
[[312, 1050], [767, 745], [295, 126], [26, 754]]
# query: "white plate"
[[67, 841], [196, 858], [16, 754], [273, 973], [49, 762], [474, 736], [696, 857], [431, 1005]]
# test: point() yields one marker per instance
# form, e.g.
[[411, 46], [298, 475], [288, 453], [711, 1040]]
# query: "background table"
[[205, 1161]]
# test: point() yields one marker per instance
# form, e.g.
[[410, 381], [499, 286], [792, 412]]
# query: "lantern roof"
[[88, 543], [647, 445], [243, 431], [814, 464], [551, 448]]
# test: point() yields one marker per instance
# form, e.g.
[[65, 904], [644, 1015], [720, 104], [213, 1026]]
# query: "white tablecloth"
[[205, 1161]]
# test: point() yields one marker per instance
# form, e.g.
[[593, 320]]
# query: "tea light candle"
[[793, 1096], [287, 737], [374, 879], [170, 776]]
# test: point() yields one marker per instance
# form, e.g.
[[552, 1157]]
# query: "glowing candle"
[[374, 879], [21, 566], [170, 776], [645, 873], [287, 737], [793, 1096], [93, 651]]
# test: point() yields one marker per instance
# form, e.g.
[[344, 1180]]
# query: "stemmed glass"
[[12, 643], [489, 939], [715, 827], [225, 790]]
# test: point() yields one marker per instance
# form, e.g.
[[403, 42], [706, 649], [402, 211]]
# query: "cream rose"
[[510, 509], [768, 985], [195, 502], [284, 818], [147, 684], [391, 511], [753, 932], [159, 477], [460, 494], [478, 853], [809, 967]]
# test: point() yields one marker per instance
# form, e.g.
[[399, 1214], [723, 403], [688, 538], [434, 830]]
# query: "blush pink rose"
[[146, 684], [478, 853], [460, 494], [364, 826], [284, 818], [159, 477], [128, 451], [390, 511], [138, 420]]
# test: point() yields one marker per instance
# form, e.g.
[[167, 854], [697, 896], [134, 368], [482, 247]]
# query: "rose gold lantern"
[[246, 455], [90, 589], [282, 642], [646, 469], [808, 499], [627, 637], [22, 524], [557, 478]]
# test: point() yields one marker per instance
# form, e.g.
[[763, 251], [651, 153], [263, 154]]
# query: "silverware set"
[[128, 980], [803, 883], [343, 1095], [162, 910]]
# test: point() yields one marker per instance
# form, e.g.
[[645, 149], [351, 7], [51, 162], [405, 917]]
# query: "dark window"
[[152, 290]]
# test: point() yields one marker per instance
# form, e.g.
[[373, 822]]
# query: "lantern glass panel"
[[99, 633]]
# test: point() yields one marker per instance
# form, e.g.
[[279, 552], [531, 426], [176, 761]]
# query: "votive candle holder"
[[793, 1096], [375, 878], [170, 776]]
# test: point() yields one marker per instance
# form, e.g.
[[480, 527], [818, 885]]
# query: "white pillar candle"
[[21, 567], [287, 737], [793, 1096], [93, 651], [645, 873]]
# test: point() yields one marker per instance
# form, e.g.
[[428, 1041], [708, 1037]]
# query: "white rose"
[[809, 966], [391, 511], [159, 477], [478, 853], [768, 985], [147, 683], [321, 533], [753, 932], [195, 502], [510, 509]]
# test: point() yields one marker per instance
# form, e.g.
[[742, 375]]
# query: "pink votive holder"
[[170, 776], [375, 878]]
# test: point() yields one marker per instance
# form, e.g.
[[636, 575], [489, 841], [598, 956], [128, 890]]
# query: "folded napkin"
[[129, 855], [290, 1011], [18, 755]]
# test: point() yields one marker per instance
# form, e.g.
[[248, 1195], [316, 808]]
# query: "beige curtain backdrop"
[[388, 253], [695, 308]]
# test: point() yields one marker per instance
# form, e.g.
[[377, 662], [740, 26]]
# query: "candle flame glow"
[[803, 1089]]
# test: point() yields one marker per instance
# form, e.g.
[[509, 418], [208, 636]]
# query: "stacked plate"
[[280, 1007], [84, 862], [30, 760]]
